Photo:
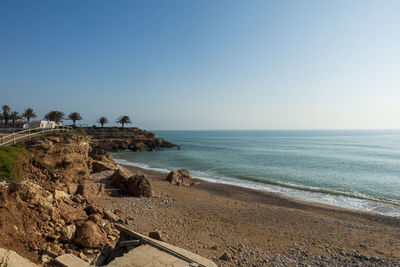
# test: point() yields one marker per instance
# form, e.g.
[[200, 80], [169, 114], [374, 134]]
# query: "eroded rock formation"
[[134, 139], [136, 185], [180, 177]]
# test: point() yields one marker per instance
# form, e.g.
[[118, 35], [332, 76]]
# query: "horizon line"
[[300, 129]]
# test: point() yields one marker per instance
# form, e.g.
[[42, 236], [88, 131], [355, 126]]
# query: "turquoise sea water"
[[352, 169]]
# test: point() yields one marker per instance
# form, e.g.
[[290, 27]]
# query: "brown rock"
[[156, 235], [117, 178], [89, 235], [78, 198], [137, 186], [31, 192], [226, 257], [89, 189], [71, 188], [110, 216], [68, 233], [119, 212], [100, 155], [70, 214], [58, 195], [180, 177], [100, 166], [95, 217], [91, 209]]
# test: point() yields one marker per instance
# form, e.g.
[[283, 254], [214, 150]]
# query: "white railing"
[[16, 137]]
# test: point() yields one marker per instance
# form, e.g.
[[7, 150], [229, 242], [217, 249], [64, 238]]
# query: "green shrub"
[[12, 159]]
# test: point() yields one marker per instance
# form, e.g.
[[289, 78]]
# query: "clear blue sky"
[[214, 64]]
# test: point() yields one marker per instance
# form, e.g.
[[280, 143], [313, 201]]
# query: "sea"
[[356, 169]]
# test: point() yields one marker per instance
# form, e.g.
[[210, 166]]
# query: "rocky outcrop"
[[52, 209], [66, 157], [180, 177], [101, 161], [136, 185], [134, 139]]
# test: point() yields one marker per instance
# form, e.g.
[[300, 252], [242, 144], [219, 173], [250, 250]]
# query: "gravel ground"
[[238, 227]]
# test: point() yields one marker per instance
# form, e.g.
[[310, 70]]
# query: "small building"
[[41, 124], [23, 124]]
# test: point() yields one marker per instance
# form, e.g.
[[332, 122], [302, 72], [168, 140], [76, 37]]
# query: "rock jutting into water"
[[134, 139]]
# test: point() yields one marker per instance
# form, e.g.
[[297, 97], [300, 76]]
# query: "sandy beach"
[[257, 228]]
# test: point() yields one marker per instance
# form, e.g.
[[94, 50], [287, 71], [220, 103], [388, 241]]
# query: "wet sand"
[[258, 228]]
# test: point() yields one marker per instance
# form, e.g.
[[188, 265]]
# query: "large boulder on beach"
[[180, 177], [118, 177], [137, 186]]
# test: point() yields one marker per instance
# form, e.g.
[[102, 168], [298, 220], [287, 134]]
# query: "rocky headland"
[[115, 139]]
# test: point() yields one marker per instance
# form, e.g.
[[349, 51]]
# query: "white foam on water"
[[343, 201], [140, 165]]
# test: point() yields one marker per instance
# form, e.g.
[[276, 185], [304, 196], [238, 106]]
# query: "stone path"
[[146, 256], [10, 258]]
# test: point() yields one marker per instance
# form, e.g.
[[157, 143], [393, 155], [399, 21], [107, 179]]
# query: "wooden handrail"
[[16, 137]]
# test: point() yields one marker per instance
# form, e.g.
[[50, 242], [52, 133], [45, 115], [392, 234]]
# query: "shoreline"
[[257, 228], [236, 192], [297, 191]]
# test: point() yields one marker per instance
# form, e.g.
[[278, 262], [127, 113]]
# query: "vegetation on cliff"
[[12, 159]]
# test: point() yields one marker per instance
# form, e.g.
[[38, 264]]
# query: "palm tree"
[[6, 114], [123, 120], [102, 121], [54, 115], [74, 116], [14, 116], [29, 114]]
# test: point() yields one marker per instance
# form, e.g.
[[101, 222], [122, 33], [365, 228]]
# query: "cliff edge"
[[48, 206], [116, 139]]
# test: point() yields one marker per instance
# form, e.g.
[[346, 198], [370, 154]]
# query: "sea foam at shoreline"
[[351, 169]]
